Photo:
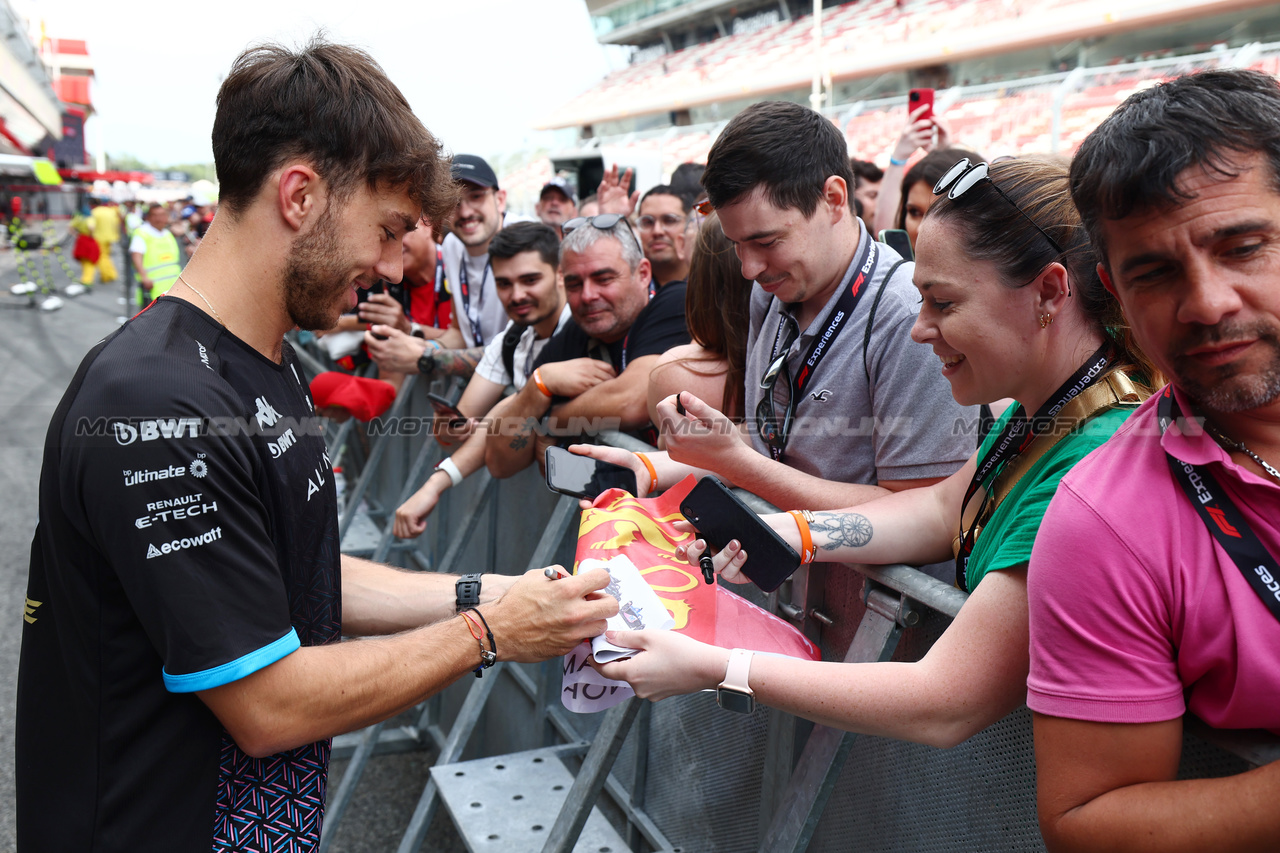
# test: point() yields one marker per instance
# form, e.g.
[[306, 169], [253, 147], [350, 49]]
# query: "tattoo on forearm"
[[457, 362], [520, 442], [843, 529]]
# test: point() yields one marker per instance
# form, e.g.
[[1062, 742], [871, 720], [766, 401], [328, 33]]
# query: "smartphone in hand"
[[584, 477], [720, 517], [920, 97]]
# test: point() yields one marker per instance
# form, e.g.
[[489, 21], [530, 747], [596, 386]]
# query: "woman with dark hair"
[[917, 187], [1012, 304], [716, 309]]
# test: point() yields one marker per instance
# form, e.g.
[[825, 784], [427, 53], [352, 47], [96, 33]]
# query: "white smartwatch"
[[734, 693]]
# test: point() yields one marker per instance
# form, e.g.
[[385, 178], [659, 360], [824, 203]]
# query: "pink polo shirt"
[[1137, 615]]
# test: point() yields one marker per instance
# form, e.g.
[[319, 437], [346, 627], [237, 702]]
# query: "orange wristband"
[[807, 552], [653, 473], [537, 380]]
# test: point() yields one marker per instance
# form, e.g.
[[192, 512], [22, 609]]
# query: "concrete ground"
[[39, 353]]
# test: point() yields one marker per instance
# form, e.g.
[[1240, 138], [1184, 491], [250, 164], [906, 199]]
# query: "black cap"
[[473, 170], [561, 186]]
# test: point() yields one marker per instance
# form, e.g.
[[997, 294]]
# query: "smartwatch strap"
[[737, 675], [468, 591]]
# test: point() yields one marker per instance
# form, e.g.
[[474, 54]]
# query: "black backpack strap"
[[871, 317], [510, 341]]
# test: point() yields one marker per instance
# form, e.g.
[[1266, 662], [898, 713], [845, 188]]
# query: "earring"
[[1045, 320]]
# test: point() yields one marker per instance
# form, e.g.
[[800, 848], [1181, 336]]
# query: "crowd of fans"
[[705, 316], [1056, 387]]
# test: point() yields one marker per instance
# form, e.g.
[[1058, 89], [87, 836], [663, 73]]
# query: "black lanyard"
[[1221, 516], [865, 268], [473, 314], [1013, 440]]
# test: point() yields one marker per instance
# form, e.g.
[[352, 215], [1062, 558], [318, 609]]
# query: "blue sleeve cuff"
[[233, 670]]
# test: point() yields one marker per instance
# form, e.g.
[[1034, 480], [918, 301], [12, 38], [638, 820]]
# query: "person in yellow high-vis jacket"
[[104, 227], [154, 252]]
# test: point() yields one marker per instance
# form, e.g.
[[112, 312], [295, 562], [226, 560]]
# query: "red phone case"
[[916, 97]]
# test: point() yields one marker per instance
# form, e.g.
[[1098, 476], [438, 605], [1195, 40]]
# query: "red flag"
[[643, 529]]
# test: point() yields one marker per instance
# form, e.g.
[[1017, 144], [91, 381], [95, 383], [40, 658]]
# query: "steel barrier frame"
[[799, 788]]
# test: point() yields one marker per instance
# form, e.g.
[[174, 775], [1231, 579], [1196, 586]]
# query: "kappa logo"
[[127, 433], [267, 415], [821, 396]]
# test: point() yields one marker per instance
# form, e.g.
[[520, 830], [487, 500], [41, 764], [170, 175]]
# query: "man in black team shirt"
[[182, 670], [594, 371]]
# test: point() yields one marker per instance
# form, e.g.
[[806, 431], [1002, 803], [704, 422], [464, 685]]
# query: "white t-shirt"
[[526, 355], [485, 307]]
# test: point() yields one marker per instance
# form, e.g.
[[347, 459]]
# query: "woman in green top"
[[1012, 305]]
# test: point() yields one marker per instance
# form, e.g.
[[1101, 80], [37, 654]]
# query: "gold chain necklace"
[[216, 316]]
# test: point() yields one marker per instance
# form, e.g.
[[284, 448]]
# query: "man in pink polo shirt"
[[1154, 586]]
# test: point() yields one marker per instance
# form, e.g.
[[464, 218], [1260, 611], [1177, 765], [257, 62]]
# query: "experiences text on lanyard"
[[473, 313], [653, 288], [1221, 516], [843, 310], [1015, 438]]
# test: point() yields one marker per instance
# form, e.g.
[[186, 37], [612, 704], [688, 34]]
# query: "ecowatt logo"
[[183, 544]]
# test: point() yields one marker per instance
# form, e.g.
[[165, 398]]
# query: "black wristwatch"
[[468, 591], [426, 364]]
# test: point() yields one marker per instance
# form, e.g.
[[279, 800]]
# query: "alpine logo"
[[821, 396], [267, 416], [282, 444], [183, 544], [204, 355], [127, 433]]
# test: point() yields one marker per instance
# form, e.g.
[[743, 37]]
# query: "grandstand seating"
[[677, 78], [1014, 118]]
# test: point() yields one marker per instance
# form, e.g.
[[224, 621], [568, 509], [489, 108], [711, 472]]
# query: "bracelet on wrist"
[[894, 161], [653, 473], [541, 386], [488, 657], [448, 466], [807, 551]]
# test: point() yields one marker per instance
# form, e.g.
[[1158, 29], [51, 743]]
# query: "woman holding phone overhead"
[[1013, 307]]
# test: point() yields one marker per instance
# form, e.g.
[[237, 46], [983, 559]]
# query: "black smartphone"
[[443, 403], [897, 239], [584, 477], [720, 517]]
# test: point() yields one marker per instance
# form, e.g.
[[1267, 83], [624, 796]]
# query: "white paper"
[[639, 606]]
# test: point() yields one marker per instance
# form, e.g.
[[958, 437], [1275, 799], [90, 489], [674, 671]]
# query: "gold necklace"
[[206, 301]]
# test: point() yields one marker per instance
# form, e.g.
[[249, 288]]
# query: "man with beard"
[[1154, 585], [663, 224], [182, 667], [525, 257], [594, 371], [480, 213]]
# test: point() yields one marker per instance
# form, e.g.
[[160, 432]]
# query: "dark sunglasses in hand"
[[774, 431]]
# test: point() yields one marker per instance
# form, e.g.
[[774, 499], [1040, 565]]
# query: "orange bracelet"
[[653, 473], [537, 380], [807, 552]]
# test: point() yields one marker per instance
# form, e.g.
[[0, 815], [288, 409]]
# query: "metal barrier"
[[680, 775]]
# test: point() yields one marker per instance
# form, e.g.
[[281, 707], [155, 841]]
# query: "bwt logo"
[[127, 433], [281, 444]]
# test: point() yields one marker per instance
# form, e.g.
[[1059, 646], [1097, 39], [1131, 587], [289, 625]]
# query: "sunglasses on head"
[[963, 177], [601, 222]]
